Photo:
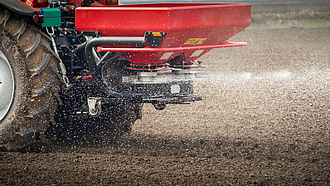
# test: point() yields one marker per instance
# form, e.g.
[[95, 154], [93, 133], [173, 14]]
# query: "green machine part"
[[52, 17]]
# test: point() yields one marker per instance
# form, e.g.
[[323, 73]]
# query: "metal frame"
[[202, 47]]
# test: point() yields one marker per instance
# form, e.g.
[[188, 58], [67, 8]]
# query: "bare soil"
[[290, 14], [264, 120]]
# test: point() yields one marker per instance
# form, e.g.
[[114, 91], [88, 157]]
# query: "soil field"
[[264, 120]]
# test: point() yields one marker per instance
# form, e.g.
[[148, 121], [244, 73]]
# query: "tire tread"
[[38, 86]]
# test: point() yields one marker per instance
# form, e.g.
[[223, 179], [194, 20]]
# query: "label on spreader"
[[195, 41], [29, 2]]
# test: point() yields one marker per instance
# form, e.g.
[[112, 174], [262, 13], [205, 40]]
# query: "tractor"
[[82, 69]]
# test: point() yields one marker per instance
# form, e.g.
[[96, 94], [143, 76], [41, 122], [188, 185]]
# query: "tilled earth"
[[264, 120]]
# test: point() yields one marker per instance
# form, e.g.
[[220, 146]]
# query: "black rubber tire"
[[36, 82], [122, 118], [114, 121]]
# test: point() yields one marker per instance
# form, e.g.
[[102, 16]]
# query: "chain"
[[62, 66]]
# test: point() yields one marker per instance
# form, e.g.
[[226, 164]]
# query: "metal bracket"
[[154, 38], [159, 105], [94, 106]]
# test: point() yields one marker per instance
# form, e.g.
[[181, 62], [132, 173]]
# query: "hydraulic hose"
[[94, 68], [94, 42]]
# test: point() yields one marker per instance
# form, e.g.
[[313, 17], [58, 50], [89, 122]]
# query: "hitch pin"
[[62, 66]]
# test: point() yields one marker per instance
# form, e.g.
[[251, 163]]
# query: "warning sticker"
[[195, 41], [29, 2]]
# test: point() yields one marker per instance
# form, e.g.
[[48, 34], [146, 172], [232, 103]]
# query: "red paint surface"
[[216, 22], [190, 48]]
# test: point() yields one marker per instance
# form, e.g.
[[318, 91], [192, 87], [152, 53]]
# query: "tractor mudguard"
[[18, 7]]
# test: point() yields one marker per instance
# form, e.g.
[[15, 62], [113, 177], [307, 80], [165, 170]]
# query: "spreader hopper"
[[170, 29]]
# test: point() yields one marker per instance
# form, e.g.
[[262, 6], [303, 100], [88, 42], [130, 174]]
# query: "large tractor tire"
[[123, 118], [29, 82], [114, 121]]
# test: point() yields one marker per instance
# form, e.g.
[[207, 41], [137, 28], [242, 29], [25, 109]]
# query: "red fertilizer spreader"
[[77, 68]]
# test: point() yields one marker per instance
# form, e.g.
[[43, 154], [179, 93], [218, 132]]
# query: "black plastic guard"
[[18, 7], [157, 93]]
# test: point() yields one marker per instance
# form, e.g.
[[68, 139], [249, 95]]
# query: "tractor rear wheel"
[[115, 120], [29, 82], [122, 118]]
